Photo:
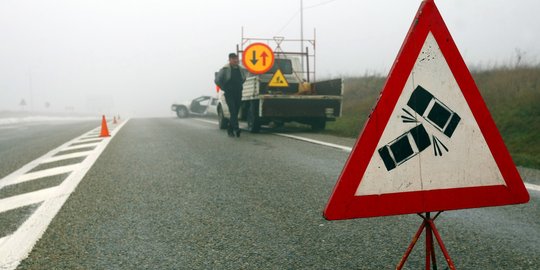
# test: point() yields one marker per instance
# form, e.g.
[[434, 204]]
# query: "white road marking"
[[206, 121], [39, 174], [94, 139], [529, 186], [25, 199], [337, 146], [24, 169], [74, 147], [67, 156], [16, 247], [11, 178], [85, 143], [534, 187]]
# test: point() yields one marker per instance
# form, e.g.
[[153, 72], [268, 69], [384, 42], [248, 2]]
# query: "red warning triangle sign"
[[430, 143]]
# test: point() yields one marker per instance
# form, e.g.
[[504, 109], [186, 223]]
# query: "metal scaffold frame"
[[308, 66]]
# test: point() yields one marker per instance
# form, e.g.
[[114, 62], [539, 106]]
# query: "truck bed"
[[293, 106]]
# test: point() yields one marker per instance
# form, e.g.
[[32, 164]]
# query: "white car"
[[201, 106], [223, 111]]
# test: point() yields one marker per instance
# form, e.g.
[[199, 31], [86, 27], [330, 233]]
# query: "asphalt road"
[[180, 194]]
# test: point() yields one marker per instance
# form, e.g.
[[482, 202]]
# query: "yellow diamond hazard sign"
[[278, 80]]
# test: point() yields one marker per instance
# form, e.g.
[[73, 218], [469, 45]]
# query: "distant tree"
[[519, 57]]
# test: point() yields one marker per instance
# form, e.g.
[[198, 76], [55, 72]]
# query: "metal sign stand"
[[431, 230]]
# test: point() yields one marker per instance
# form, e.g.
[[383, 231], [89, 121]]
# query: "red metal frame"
[[429, 225], [344, 204]]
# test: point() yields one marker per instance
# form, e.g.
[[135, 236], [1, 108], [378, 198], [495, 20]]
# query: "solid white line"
[[25, 199], [80, 146], [530, 186], [19, 244], [337, 146], [242, 125], [67, 156]]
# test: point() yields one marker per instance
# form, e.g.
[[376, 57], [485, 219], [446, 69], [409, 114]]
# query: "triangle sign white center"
[[414, 152], [430, 143]]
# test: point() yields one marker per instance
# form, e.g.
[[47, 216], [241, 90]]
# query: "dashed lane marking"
[[529, 186], [16, 246]]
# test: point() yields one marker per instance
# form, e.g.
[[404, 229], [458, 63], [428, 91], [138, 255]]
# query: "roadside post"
[[430, 143]]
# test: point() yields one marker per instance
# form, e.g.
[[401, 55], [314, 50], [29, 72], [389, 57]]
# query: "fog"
[[136, 58]]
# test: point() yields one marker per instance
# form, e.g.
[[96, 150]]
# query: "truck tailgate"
[[300, 106]]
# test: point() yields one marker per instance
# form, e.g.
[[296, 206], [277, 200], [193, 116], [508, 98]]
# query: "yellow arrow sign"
[[258, 58], [278, 80]]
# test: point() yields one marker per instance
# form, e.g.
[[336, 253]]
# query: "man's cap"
[[233, 55]]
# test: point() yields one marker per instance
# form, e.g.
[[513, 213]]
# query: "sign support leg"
[[429, 225]]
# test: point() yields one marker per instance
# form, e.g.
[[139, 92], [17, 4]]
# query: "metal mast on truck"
[[278, 43]]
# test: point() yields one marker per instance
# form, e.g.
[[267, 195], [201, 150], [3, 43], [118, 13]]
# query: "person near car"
[[230, 79]]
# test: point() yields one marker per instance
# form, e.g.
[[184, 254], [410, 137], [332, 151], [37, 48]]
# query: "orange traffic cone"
[[104, 129], [114, 120]]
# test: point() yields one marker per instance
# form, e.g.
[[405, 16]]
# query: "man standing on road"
[[230, 79]]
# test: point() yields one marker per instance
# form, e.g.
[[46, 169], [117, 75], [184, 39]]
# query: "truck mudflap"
[[289, 106]]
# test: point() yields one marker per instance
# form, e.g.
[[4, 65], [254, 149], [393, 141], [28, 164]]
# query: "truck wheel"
[[223, 122], [182, 112], [318, 124], [254, 122]]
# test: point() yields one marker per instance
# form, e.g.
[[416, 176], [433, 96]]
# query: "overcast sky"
[[138, 57]]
